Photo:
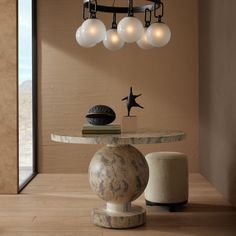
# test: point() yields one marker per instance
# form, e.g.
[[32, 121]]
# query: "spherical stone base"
[[135, 217], [118, 174]]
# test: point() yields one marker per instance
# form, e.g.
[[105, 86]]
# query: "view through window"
[[25, 82]]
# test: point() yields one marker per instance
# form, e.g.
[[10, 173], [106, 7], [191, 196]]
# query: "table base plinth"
[[135, 217]]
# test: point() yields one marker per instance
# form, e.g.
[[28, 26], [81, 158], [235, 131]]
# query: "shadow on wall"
[[231, 178], [232, 182], [217, 95], [205, 98]]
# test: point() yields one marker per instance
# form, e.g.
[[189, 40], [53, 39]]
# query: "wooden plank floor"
[[60, 204]]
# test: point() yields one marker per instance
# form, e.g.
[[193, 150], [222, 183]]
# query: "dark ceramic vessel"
[[100, 115]]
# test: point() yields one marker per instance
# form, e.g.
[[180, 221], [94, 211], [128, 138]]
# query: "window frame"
[[34, 96]]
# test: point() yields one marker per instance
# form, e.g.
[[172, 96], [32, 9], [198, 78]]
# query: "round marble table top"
[[122, 139]]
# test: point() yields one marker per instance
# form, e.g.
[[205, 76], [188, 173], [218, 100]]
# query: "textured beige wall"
[[8, 97], [218, 94], [72, 79]]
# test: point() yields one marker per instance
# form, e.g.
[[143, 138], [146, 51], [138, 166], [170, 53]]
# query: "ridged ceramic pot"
[[100, 115]]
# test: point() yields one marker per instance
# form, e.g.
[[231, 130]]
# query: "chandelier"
[[152, 33]]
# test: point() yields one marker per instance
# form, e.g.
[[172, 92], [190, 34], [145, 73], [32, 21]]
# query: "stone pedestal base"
[[119, 175], [136, 216]]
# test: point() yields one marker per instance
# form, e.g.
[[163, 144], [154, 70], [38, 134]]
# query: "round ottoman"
[[168, 179]]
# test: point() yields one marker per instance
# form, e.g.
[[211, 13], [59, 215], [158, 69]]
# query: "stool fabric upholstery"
[[168, 178]]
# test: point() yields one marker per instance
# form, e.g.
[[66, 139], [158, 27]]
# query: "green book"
[[101, 131], [102, 127]]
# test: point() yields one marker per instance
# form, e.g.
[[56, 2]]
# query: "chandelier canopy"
[[147, 35]]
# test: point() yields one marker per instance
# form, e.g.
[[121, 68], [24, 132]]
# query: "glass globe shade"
[[143, 41], [158, 34], [93, 31], [130, 29], [112, 40], [80, 40]]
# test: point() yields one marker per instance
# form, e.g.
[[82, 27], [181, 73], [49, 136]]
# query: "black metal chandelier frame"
[[155, 6]]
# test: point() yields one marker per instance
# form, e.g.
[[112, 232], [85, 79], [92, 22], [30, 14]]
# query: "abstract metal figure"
[[131, 101]]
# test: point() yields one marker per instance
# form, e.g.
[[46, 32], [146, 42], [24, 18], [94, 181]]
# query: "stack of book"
[[101, 129]]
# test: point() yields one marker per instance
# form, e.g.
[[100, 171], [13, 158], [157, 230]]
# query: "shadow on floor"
[[193, 207]]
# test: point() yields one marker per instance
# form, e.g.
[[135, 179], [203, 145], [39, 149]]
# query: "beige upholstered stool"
[[168, 179]]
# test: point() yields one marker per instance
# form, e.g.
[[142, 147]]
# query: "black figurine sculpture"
[[131, 101]]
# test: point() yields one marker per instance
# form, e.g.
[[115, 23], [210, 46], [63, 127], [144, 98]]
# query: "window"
[[26, 90]]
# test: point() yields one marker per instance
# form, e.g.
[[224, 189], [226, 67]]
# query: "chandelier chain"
[[131, 10], [146, 19], [158, 6]]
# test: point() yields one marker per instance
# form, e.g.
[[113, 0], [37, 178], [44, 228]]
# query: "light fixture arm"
[[92, 8], [114, 24], [122, 10], [84, 12], [131, 10], [146, 19], [158, 6]]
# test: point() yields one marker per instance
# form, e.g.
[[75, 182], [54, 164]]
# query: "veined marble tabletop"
[[122, 139]]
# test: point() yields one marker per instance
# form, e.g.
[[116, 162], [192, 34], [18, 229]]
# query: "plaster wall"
[[8, 97], [72, 79]]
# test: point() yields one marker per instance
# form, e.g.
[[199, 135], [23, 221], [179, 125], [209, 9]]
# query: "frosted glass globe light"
[[130, 29], [143, 42], [81, 41], [158, 34], [93, 31], [112, 40]]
